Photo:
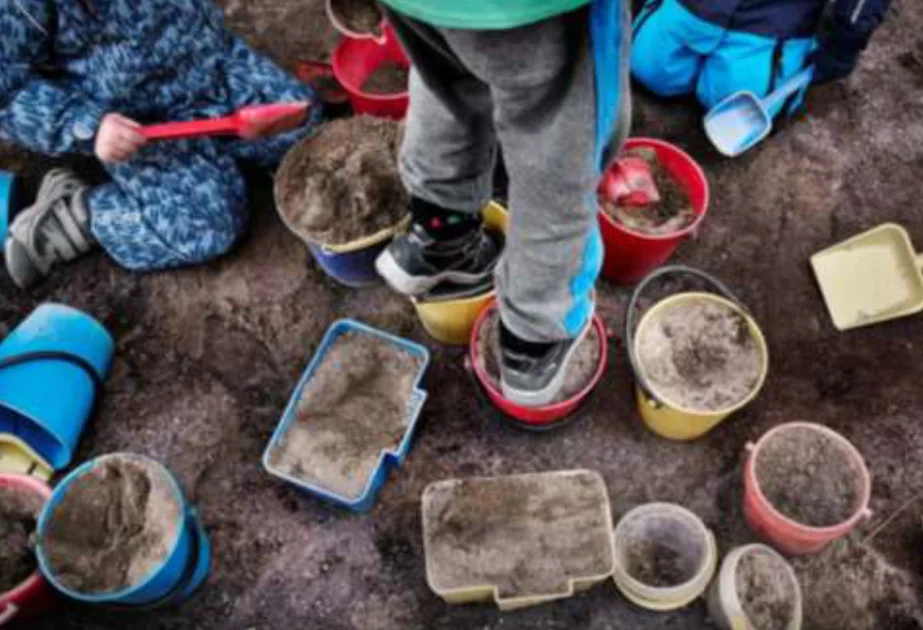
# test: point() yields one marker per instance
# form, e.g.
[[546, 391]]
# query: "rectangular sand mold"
[[390, 457], [519, 541]]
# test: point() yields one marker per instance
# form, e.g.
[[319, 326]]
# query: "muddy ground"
[[207, 358]]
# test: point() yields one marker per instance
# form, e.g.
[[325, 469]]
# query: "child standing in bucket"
[[543, 81], [78, 76]]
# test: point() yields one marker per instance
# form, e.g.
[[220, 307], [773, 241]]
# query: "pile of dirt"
[[701, 356], [114, 526], [765, 590], [359, 16], [809, 477], [583, 366], [18, 514], [662, 552], [674, 211], [342, 184], [388, 78], [526, 535], [353, 407]]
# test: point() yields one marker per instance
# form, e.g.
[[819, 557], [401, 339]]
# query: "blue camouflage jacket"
[[64, 66]]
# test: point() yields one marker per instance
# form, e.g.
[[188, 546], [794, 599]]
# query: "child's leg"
[[172, 205], [254, 79]]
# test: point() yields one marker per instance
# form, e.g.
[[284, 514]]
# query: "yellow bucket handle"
[[719, 287]]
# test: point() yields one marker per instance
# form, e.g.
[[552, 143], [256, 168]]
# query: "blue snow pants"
[[675, 53], [184, 202]]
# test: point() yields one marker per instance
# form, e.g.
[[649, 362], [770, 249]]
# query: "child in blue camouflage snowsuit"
[[67, 64]]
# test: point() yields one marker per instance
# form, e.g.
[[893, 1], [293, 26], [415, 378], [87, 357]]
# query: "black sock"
[[441, 223], [514, 343]]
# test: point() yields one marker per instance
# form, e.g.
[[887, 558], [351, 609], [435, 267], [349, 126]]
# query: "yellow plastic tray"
[[464, 594], [17, 457], [870, 278]]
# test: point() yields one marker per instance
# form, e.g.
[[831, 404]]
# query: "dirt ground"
[[207, 358]]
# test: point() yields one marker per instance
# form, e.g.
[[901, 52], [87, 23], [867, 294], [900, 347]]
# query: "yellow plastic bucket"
[[663, 416], [450, 320]]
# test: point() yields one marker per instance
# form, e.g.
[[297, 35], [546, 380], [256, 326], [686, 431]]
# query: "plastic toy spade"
[[247, 122], [629, 182], [743, 120]]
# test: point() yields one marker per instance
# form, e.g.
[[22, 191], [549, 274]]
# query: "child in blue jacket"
[[713, 48], [79, 76]]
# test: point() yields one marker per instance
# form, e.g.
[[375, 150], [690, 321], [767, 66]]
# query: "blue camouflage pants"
[[184, 202]]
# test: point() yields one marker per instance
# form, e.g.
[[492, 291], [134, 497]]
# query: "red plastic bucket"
[[631, 255], [789, 536], [33, 595], [535, 417], [354, 60]]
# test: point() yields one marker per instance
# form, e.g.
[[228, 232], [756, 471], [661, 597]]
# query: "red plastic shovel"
[[247, 122], [629, 182]]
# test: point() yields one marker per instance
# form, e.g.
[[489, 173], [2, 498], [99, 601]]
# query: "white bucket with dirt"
[[756, 589], [665, 556]]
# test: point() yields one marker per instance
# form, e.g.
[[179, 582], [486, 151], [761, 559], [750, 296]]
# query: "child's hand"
[[118, 138]]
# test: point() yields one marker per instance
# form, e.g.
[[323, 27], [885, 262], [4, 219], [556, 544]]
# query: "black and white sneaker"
[[534, 379], [415, 263]]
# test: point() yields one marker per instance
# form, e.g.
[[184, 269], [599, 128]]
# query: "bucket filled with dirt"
[[519, 541], [375, 75], [586, 370], [340, 192], [23, 591], [697, 357], [639, 238], [448, 312], [118, 531], [351, 417], [357, 19], [665, 557], [756, 589], [804, 486]]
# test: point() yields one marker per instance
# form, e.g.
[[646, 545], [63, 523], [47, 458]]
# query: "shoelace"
[[55, 201]]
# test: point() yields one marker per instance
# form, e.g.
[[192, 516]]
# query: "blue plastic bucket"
[[7, 197], [182, 571], [389, 458], [354, 269], [47, 400]]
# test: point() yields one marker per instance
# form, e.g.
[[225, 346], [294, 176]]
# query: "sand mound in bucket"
[[663, 553], [700, 356], [388, 78], [359, 16], [354, 406], [765, 590], [18, 513], [113, 527], [583, 366], [809, 477], [342, 184]]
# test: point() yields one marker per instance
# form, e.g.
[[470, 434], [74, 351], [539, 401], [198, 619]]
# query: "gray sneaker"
[[55, 229], [535, 381]]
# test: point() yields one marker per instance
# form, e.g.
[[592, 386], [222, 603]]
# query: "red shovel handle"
[[192, 129]]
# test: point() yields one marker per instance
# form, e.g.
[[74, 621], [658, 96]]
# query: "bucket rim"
[[668, 597], [755, 332], [643, 141], [727, 587], [58, 492], [42, 489], [520, 411], [864, 476]]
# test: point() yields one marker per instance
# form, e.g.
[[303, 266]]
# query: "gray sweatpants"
[[531, 90]]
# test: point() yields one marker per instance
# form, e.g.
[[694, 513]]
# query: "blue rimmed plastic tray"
[[389, 457]]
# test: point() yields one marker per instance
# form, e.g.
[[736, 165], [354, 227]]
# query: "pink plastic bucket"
[[354, 60], [785, 534]]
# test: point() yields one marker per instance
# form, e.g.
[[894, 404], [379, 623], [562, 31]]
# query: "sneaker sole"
[[407, 284], [544, 396]]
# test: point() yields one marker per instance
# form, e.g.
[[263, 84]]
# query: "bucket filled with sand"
[[804, 486], [339, 191], [697, 357], [118, 531]]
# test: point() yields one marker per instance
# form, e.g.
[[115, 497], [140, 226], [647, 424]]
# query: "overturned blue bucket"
[[51, 369], [7, 203], [175, 579]]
